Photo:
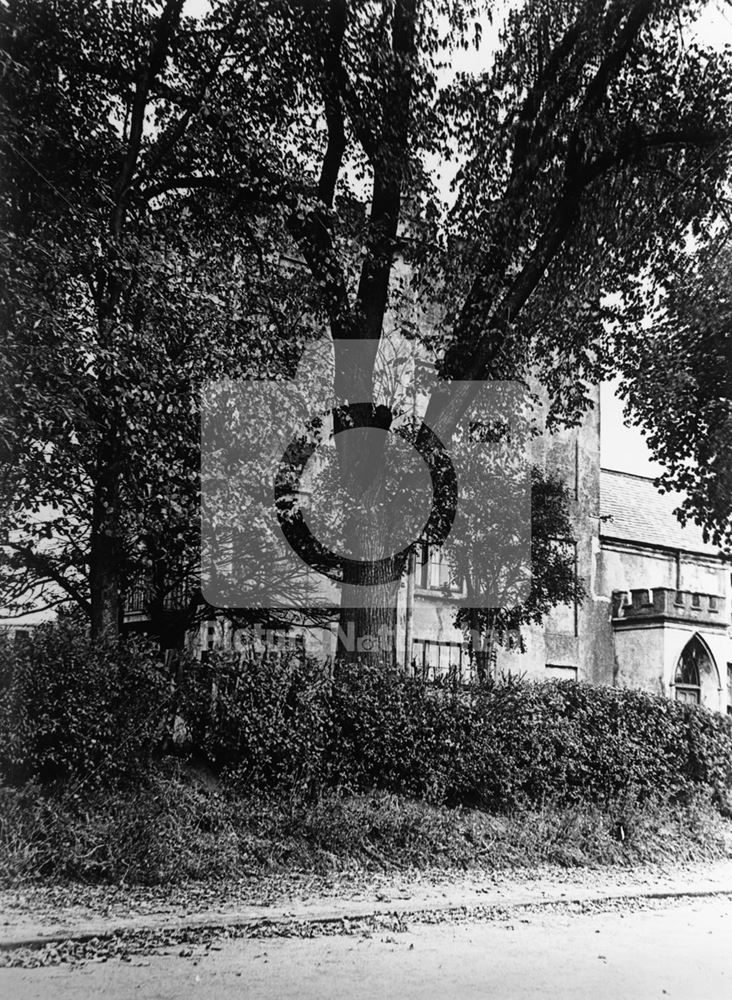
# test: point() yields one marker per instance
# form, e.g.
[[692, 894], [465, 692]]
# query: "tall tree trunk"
[[367, 621], [105, 542], [104, 582], [367, 634], [104, 552]]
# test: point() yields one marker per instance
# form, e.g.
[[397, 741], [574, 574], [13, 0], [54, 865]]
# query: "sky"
[[622, 447]]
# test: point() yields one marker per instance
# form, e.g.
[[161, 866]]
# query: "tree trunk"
[[483, 663], [104, 557], [104, 585], [367, 622], [482, 646], [368, 634]]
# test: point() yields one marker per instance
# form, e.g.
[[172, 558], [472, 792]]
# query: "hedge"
[[69, 711], [72, 711]]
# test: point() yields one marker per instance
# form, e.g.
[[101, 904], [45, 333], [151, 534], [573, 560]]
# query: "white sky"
[[622, 447]]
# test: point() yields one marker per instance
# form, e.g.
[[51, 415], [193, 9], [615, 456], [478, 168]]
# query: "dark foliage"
[[512, 743], [73, 712]]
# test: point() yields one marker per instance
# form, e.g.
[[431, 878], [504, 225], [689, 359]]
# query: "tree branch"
[[389, 166], [46, 566], [627, 150], [332, 71], [168, 141], [311, 229], [47, 606], [156, 59], [482, 327], [609, 68]]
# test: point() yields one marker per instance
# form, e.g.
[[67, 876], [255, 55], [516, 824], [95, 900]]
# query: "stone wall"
[[575, 641]]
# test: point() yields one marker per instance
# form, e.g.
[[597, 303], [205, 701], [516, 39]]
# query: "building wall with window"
[[565, 645], [670, 596], [657, 594], [656, 612], [686, 661]]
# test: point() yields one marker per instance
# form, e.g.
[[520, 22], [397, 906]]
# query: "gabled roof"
[[638, 513]]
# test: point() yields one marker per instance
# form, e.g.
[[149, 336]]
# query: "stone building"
[[657, 609], [670, 597]]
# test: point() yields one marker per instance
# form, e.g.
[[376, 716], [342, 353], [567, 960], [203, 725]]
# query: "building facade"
[[657, 608], [670, 597]]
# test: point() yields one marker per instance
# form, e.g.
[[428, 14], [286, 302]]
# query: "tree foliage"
[[590, 139], [527, 577], [123, 294], [683, 402]]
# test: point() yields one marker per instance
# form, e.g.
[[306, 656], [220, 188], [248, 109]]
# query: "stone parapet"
[[653, 604]]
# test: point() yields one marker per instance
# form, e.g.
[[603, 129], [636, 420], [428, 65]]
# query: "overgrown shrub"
[[524, 742], [513, 743], [71, 710], [370, 768], [267, 722]]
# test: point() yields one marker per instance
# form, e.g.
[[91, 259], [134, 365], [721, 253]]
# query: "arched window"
[[693, 662]]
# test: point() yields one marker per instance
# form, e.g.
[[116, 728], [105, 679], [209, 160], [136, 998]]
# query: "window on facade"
[[208, 642], [136, 598], [434, 660], [435, 571], [693, 661], [729, 689], [285, 642], [562, 458]]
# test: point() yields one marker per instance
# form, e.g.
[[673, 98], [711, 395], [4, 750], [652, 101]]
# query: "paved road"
[[682, 951]]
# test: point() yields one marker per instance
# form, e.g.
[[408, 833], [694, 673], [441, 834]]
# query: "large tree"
[[510, 579], [589, 138], [122, 294], [595, 135]]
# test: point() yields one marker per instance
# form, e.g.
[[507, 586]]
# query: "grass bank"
[[182, 824]]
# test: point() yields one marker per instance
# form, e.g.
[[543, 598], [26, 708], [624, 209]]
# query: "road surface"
[[681, 951]]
